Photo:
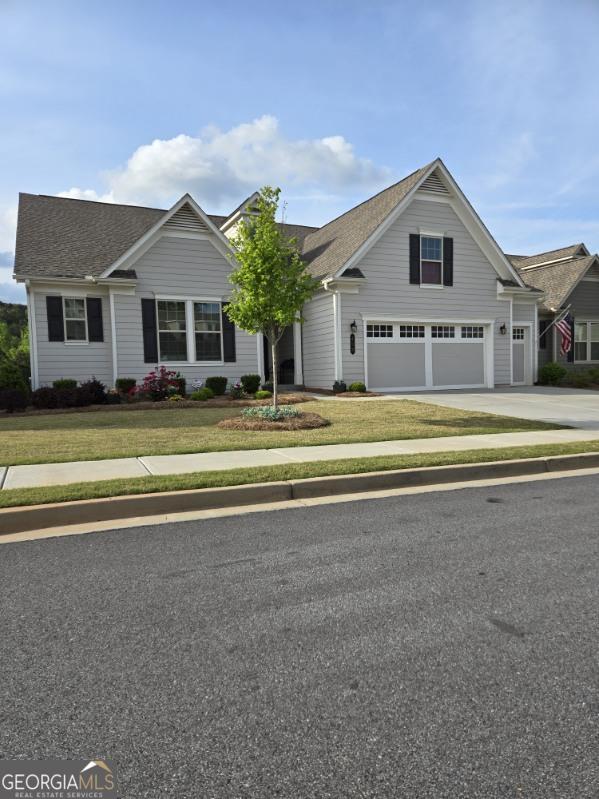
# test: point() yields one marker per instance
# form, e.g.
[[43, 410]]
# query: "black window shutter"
[[150, 333], [570, 356], [55, 318], [228, 337], [543, 325], [95, 328], [414, 258], [447, 262]]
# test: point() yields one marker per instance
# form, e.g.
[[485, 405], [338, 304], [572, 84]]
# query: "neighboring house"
[[569, 280], [415, 293]]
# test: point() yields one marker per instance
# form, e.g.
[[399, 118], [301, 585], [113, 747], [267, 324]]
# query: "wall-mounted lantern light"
[[353, 327], [503, 330]]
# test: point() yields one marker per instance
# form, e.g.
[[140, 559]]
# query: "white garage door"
[[410, 356]]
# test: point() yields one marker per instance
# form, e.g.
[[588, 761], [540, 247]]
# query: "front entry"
[[521, 365]]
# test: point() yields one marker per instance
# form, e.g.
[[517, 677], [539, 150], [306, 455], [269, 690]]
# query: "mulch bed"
[[305, 421], [216, 402], [354, 394]]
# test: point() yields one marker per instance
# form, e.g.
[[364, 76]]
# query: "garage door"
[[410, 356]]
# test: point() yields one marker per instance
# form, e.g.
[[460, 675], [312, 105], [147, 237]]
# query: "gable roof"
[[331, 246], [549, 257], [64, 237], [557, 280]]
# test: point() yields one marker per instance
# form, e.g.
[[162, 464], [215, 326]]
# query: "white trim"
[[467, 216], [425, 320], [145, 242], [32, 336], [588, 321], [337, 334], [115, 363], [187, 298], [535, 349], [509, 333], [298, 377]]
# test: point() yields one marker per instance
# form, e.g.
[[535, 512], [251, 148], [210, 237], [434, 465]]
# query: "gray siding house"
[[414, 293]]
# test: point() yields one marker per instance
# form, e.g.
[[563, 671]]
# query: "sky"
[[140, 101]]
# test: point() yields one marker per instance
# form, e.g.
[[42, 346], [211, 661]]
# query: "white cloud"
[[221, 167]]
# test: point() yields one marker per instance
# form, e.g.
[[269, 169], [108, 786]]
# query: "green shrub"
[[594, 374], [45, 397], [125, 384], [271, 414], [339, 387], [216, 384], [579, 379], [92, 392], [357, 386], [236, 391], [263, 394], [202, 394], [13, 399], [181, 384], [267, 386], [11, 376], [65, 382], [113, 398], [552, 373], [250, 383], [176, 398]]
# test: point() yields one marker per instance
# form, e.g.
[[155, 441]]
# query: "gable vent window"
[[411, 331], [443, 331], [434, 183], [379, 331], [473, 331], [186, 219]]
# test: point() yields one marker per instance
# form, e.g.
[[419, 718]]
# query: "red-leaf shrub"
[[159, 383]]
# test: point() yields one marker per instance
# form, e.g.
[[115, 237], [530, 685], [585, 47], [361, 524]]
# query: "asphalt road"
[[439, 645]]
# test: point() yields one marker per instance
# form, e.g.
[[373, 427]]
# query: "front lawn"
[[105, 434]]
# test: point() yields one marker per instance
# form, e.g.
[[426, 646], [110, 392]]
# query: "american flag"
[[565, 328]]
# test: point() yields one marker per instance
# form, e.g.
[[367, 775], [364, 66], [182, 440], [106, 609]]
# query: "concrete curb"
[[38, 517]]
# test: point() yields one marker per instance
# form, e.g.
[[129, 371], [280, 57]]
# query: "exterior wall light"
[[503, 330], [353, 327]]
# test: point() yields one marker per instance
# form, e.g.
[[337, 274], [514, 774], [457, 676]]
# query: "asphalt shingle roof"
[[522, 261], [557, 280], [329, 247]]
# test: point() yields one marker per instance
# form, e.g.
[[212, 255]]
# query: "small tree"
[[271, 283]]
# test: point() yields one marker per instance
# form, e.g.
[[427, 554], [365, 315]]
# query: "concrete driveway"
[[569, 406]]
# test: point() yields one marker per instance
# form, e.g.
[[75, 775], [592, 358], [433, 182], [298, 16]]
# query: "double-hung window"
[[207, 328], [172, 330], [189, 330], [75, 319], [431, 260], [586, 341]]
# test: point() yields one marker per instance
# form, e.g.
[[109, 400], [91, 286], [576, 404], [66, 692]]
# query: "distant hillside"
[[15, 316]]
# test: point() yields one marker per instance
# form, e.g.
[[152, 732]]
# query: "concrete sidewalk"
[[85, 471]]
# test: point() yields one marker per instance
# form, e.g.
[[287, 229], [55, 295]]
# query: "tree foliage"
[[270, 280]]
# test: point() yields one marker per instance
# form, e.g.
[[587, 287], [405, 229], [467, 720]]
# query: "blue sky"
[[139, 102]]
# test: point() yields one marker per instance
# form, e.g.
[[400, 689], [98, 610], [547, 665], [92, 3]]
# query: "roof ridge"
[[95, 202], [374, 196]]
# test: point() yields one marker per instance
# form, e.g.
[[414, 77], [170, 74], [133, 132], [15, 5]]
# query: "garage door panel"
[[396, 365], [458, 364]]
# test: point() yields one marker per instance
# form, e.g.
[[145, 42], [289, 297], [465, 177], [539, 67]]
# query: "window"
[[379, 331], [518, 334], [473, 331], [207, 329], [75, 319], [431, 260], [443, 331], [172, 330], [411, 331], [586, 341]]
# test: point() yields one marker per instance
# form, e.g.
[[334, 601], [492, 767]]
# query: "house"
[[569, 280], [414, 293]]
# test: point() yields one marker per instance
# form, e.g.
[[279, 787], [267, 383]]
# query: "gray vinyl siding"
[[387, 290], [584, 300], [81, 362], [523, 312], [318, 342], [546, 352], [186, 268]]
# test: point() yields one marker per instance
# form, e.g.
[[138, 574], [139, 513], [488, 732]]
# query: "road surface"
[[434, 645]]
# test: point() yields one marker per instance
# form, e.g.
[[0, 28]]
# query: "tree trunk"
[[275, 377]]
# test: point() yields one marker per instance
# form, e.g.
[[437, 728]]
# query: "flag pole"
[[561, 315]]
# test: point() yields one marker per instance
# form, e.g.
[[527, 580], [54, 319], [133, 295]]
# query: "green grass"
[[264, 474], [53, 438]]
